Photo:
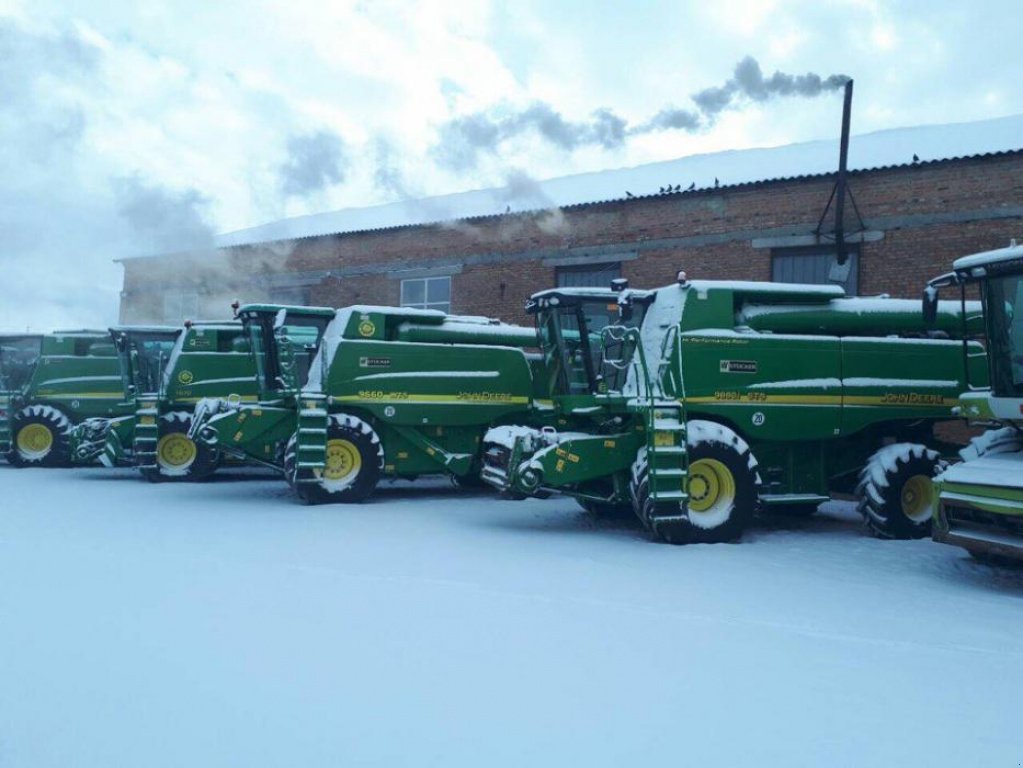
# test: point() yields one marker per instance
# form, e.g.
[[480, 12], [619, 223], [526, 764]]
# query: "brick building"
[[914, 218]]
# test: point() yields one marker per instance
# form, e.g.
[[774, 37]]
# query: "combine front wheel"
[[41, 438], [897, 498], [723, 484], [354, 461], [178, 457]]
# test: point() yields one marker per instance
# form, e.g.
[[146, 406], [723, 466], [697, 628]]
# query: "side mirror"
[[930, 298], [930, 306]]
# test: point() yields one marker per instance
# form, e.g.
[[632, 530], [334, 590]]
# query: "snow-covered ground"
[[223, 624]]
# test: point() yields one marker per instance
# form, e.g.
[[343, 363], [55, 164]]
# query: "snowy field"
[[225, 625]]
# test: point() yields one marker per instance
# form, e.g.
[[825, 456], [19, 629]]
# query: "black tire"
[[347, 437], [179, 459], [714, 451], [896, 496], [40, 437]]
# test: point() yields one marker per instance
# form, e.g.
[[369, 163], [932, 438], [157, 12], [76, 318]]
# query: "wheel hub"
[[176, 451], [343, 460], [918, 498], [711, 485], [35, 440]]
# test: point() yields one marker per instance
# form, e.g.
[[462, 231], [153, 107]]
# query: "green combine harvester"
[[980, 500], [19, 354], [392, 393], [694, 404], [165, 372], [75, 376]]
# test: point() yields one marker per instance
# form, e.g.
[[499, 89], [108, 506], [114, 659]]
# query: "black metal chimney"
[[843, 164]]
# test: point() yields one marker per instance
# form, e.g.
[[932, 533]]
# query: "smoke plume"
[[464, 139], [164, 221], [315, 161]]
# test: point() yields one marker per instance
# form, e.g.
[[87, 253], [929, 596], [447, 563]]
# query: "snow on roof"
[[881, 149], [1010, 253]]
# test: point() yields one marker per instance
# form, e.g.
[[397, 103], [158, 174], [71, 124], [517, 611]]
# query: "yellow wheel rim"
[[918, 498], [343, 460], [176, 451], [35, 440], [711, 485]]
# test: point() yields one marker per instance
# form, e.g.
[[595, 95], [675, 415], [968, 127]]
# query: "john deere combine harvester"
[[76, 376], [165, 372], [703, 400], [981, 499], [393, 392]]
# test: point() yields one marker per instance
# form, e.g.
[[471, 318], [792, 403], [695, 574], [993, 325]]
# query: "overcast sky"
[[142, 127]]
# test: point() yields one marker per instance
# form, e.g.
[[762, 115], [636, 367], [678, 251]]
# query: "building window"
[[588, 275], [179, 306], [427, 293], [295, 296], [814, 265]]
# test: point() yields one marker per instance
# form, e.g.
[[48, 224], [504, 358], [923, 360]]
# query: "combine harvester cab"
[[980, 500], [391, 393], [284, 341], [143, 353], [209, 359], [19, 354], [77, 376], [696, 403]]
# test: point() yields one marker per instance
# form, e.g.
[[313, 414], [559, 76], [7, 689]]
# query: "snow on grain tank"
[[980, 500], [695, 403], [76, 376], [393, 392]]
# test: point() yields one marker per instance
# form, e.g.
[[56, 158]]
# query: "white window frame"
[[408, 282]]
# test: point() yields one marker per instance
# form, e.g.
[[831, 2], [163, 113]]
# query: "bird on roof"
[[716, 182], [691, 187], [507, 209], [916, 158], [660, 191], [629, 194], [678, 187]]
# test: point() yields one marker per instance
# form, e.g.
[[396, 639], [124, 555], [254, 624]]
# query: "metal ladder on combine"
[[665, 422], [311, 450], [147, 433], [5, 425]]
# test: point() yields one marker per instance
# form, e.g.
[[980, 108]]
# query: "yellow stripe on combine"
[[434, 399], [889, 400], [89, 395]]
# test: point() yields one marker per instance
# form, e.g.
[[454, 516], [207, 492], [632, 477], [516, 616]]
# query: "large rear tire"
[[40, 437], [897, 497], [723, 483], [178, 457], [355, 461]]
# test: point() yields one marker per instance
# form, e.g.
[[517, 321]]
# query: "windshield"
[[143, 359], [581, 358], [18, 359], [1004, 304], [284, 345]]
